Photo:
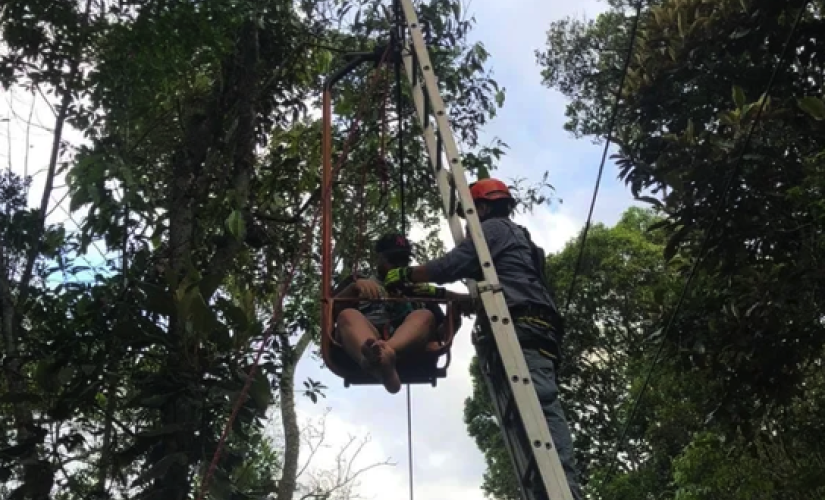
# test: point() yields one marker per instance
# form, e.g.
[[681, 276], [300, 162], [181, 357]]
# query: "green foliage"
[[610, 327], [737, 363], [201, 174], [499, 481]]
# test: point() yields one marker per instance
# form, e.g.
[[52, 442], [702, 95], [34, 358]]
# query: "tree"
[[338, 480], [693, 119], [197, 175]]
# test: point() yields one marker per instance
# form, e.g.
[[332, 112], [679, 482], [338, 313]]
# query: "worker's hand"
[[369, 289], [397, 278], [427, 290]]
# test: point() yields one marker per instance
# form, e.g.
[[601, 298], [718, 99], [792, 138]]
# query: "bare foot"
[[379, 359]]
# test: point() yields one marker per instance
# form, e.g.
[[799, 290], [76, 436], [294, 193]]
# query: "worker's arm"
[[459, 263], [443, 270], [462, 261]]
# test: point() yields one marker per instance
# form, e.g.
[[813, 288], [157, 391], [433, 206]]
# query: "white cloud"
[[549, 230]]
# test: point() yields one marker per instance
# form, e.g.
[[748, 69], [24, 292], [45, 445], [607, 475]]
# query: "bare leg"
[[355, 330], [361, 341], [379, 360], [413, 334]]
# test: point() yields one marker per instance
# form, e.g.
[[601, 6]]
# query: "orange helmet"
[[489, 189]]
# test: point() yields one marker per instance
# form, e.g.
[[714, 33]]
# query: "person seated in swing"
[[376, 334]]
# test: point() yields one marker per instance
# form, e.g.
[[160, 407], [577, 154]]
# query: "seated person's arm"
[[345, 290]]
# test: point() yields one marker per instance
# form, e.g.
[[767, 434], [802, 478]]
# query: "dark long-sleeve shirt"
[[512, 256]]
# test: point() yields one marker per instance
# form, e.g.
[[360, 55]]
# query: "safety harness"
[[544, 318]]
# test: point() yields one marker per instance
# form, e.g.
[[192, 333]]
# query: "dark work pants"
[[543, 373]]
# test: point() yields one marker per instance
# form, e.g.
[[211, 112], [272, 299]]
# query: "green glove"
[[397, 278], [428, 290]]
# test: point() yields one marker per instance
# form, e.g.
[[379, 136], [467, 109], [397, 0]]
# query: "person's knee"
[[348, 316], [423, 318]]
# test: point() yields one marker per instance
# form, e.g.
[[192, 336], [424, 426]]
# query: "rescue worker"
[[376, 334], [520, 267]]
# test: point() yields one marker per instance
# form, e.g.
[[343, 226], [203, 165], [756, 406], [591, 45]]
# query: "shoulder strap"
[[539, 261]]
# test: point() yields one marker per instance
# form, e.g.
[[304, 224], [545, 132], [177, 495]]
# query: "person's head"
[[392, 250], [492, 198]]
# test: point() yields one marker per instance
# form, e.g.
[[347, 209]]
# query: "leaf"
[[651, 200], [65, 375], [25, 397], [158, 299], [738, 96], [161, 467], [483, 173], [236, 316], [260, 392], [155, 401], [500, 98], [210, 283], [186, 295], [236, 226], [203, 317], [162, 431], [814, 106]]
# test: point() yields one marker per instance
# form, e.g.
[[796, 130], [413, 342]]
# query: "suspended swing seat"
[[421, 368]]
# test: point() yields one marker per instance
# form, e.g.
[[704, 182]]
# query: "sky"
[[447, 463]]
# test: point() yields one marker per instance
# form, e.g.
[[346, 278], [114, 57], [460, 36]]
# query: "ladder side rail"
[[442, 175], [526, 400], [517, 450], [509, 348]]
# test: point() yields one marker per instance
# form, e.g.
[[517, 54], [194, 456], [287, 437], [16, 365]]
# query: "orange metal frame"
[[328, 343]]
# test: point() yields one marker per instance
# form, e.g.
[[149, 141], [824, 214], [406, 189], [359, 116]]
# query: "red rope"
[[282, 291]]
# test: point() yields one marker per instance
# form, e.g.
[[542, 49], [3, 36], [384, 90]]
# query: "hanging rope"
[[717, 215], [611, 125], [398, 44], [299, 256]]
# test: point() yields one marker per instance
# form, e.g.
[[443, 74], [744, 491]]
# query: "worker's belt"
[[538, 315], [541, 317]]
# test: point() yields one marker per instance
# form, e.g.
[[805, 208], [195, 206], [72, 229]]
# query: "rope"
[[611, 125], [399, 96], [409, 440], [720, 206], [281, 295]]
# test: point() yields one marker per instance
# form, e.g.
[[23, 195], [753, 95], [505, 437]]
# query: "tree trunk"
[[292, 433], [234, 98]]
